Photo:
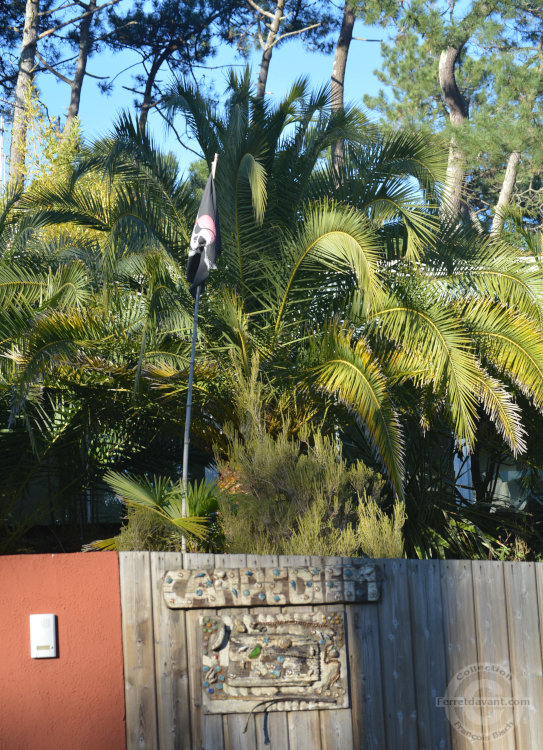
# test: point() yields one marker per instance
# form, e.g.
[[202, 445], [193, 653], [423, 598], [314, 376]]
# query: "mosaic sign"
[[257, 587], [273, 662]]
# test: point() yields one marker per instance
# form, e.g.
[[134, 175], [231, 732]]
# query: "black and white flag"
[[205, 243]]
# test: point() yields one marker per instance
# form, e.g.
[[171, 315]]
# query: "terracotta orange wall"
[[76, 701]]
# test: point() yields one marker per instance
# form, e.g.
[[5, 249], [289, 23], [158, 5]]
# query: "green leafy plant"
[[154, 513], [285, 494]]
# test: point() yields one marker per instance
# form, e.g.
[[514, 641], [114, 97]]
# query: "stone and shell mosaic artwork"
[[273, 662], [281, 586]]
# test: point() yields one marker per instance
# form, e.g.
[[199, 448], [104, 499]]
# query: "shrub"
[[298, 496]]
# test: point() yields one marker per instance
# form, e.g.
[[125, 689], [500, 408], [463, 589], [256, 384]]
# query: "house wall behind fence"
[[75, 701]]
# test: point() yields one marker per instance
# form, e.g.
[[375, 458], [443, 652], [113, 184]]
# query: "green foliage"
[[369, 321], [499, 73], [155, 518], [143, 530], [299, 246], [284, 495], [179, 33], [198, 174], [50, 152], [371, 531], [379, 534]]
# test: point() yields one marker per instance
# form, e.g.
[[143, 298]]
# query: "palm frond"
[[348, 370], [159, 495], [512, 343], [504, 413], [497, 271], [435, 342], [332, 241]]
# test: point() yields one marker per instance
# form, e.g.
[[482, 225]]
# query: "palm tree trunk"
[[22, 92], [506, 193], [338, 73]]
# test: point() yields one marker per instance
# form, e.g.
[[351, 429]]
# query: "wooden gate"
[[445, 637]]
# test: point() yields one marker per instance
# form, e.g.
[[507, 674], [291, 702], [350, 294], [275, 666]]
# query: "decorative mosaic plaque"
[[273, 662], [257, 587]]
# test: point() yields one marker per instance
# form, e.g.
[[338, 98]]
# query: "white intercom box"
[[43, 636]]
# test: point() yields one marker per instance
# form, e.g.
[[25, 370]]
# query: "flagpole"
[[186, 441]]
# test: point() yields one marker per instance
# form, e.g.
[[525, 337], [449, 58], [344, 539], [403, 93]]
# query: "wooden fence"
[[454, 629]]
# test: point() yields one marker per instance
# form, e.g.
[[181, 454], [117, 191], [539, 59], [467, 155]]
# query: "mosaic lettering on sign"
[[273, 662], [258, 587]]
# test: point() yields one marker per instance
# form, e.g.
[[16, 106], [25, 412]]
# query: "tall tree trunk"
[[506, 193], [81, 66], [458, 107], [22, 92], [338, 73], [273, 30], [147, 103], [147, 100]]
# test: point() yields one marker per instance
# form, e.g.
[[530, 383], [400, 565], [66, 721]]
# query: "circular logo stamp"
[[482, 701]]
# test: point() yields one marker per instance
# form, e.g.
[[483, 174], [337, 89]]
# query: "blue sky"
[[291, 60]]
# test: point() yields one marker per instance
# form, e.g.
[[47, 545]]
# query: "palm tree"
[[356, 267], [298, 241], [79, 310], [364, 314], [409, 327]]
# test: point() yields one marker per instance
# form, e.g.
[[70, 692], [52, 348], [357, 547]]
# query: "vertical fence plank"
[[493, 652], [525, 652], [460, 640], [429, 655], [365, 676], [271, 726], [336, 724], [397, 658], [303, 726], [235, 738], [138, 651], [171, 663], [239, 732], [195, 679], [336, 729], [304, 730], [206, 729]]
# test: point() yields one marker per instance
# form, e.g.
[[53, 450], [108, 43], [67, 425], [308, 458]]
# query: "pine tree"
[[477, 77]]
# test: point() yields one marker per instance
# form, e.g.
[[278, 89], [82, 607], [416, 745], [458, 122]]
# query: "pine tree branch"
[[292, 33], [244, 33], [52, 70], [74, 20], [115, 31], [60, 7], [170, 125], [92, 75], [259, 9], [134, 65], [480, 10]]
